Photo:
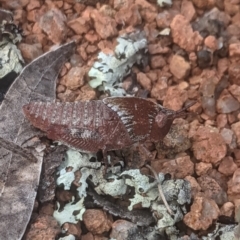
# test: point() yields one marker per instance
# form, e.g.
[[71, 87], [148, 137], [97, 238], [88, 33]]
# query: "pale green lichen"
[[66, 215], [108, 72]]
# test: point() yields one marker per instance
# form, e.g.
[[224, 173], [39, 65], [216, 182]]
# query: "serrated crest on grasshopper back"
[[109, 124]]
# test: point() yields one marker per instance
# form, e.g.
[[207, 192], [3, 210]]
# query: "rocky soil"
[[193, 54]]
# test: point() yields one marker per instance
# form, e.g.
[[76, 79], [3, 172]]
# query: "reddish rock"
[[75, 78], [15, 4], [202, 214], [159, 89], [188, 10], [202, 168], [227, 209], [236, 129], [157, 61], [105, 26], [211, 42], [234, 186], [53, 23], [44, 227], [222, 65], [178, 168], [47, 209], [234, 50], [183, 34], [212, 189], [68, 96], [234, 73], [79, 25], [144, 81], [231, 7], [221, 120], [235, 91], [120, 229], [228, 136], [86, 93], [208, 145], [30, 51], [33, 4], [92, 37], [175, 98], [204, 4], [87, 236], [97, 221], [74, 229], [148, 11], [91, 49], [179, 67], [156, 48], [226, 103], [195, 187], [129, 16], [165, 18], [227, 166]]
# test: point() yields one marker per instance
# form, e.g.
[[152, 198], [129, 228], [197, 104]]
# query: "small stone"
[[212, 189], [202, 168], [208, 145], [43, 227], [165, 18], [227, 135], [91, 49], [236, 129], [226, 103], [202, 214], [156, 48], [175, 98], [188, 10], [234, 73], [231, 7], [33, 4], [129, 16], [53, 24], [157, 61], [204, 58], [97, 221], [227, 209], [182, 32], [79, 25], [234, 186], [120, 229], [87, 236], [92, 37], [144, 81], [222, 120], [204, 4], [47, 209], [211, 42], [227, 166], [195, 187], [68, 96], [179, 67], [222, 65], [30, 51], [75, 78], [105, 26], [234, 50], [180, 167], [159, 89], [235, 91], [74, 229], [86, 93]]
